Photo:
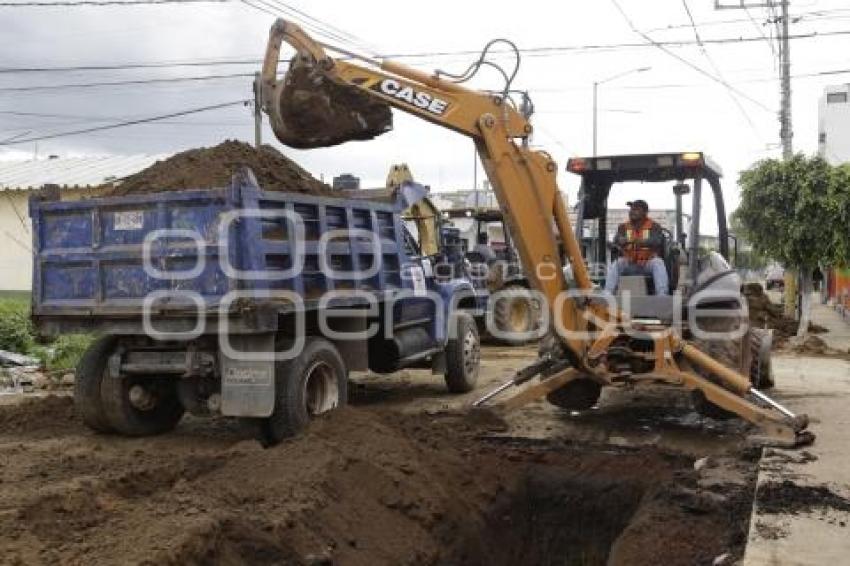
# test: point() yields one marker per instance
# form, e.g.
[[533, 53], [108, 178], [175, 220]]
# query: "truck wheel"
[[141, 406], [312, 383], [518, 314], [87, 379], [463, 354], [576, 395]]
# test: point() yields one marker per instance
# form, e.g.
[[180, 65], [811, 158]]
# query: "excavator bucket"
[[308, 110]]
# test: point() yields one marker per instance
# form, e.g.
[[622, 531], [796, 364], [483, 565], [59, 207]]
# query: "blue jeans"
[[654, 267]]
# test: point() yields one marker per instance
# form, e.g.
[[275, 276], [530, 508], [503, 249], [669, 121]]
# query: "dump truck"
[[241, 302], [330, 95]]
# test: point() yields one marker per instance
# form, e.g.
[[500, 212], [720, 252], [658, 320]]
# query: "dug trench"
[[365, 485]]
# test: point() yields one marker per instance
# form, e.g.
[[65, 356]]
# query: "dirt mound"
[[788, 497], [363, 486], [214, 166], [36, 412], [766, 314]]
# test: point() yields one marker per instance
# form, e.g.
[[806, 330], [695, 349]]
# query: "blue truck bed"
[[89, 260]]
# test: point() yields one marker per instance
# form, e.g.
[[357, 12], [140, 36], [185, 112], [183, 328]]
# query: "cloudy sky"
[[671, 107]]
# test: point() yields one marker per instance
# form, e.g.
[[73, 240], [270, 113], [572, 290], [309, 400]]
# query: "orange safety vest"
[[634, 251]]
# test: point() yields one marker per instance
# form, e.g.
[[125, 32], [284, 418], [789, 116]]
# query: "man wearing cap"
[[642, 244]]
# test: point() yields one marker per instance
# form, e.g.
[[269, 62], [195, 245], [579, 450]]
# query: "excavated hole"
[[550, 518]]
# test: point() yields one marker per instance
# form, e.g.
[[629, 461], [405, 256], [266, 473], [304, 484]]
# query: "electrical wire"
[[681, 59], [761, 31], [718, 72], [126, 123], [74, 3], [540, 51], [122, 83]]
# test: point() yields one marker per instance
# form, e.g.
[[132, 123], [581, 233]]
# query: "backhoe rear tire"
[[727, 352], [87, 380], [312, 383]]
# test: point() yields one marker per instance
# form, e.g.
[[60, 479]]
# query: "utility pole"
[[783, 23], [786, 131], [258, 114]]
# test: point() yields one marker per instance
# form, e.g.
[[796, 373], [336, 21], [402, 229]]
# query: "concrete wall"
[[16, 237], [834, 124]]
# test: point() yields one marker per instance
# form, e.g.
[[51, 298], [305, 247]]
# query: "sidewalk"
[[819, 387], [838, 336]]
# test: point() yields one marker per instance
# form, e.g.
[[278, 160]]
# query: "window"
[[836, 97], [822, 137]]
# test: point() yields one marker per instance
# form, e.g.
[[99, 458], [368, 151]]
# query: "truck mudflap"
[[247, 376]]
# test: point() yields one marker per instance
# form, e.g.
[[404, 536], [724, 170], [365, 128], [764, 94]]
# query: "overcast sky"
[[671, 107]]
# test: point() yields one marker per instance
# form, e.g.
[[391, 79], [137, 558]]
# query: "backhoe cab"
[[689, 266], [701, 280]]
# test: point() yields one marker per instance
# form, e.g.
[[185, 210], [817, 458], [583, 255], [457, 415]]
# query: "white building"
[[77, 178], [834, 124]]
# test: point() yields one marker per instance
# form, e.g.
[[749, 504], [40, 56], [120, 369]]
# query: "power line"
[[126, 123], [717, 70], [761, 31], [541, 51], [122, 83], [74, 3], [685, 61]]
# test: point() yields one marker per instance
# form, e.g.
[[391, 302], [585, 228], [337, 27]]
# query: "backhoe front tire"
[[88, 377], [312, 383], [463, 355]]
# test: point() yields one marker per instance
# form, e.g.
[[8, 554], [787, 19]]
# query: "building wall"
[[15, 241], [16, 237], [834, 124]]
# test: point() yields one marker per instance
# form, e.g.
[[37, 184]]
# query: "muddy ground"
[[406, 475], [209, 167]]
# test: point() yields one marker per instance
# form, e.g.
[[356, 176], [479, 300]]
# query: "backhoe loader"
[[330, 95]]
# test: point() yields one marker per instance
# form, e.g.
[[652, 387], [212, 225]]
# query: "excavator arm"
[[324, 100]]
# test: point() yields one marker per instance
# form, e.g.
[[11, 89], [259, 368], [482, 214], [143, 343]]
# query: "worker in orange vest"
[[642, 244]]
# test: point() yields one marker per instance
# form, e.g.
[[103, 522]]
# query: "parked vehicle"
[[241, 302]]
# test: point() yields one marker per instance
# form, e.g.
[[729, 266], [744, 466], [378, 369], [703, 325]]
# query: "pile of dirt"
[[788, 497], [362, 486], [766, 314], [36, 413], [209, 167]]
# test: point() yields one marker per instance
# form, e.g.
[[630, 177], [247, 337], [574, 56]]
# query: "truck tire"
[[516, 314], [463, 355], [312, 383], [577, 395], [87, 379], [141, 406]]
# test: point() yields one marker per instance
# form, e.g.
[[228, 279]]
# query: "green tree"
[[792, 211]]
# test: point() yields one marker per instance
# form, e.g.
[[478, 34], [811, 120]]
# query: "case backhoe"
[[330, 95]]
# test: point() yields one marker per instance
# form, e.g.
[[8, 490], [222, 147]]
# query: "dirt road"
[[403, 476]]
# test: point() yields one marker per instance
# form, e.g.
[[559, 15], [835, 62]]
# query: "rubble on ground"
[[766, 314]]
